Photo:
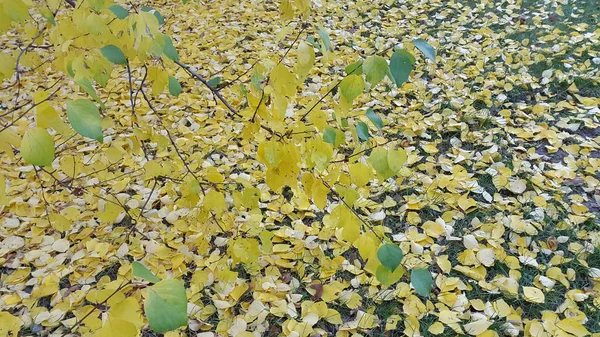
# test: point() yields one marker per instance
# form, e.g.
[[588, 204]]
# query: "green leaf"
[[70, 69], [379, 160], [85, 118], [158, 16], [352, 86], [425, 48], [48, 15], [375, 68], [87, 86], [396, 159], [401, 66], [37, 147], [170, 50], [374, 118], [139, 270], [113, 54], [329, 135], [388, 277], [15, 10], [174, 86], [97, 5], [166, 306], [214, 82], [354, 68], [325, 37], [390, 256], [422, 281], [362, 130], [344, 122], [119, 11], [333, 136], [312, 42]]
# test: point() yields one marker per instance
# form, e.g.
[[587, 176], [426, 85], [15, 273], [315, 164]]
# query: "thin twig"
[[220, 97], [346, 159], [292, 45], [352, 209], [262, 96], [30, 108], [17, 63], [225, 85], [131, 94]]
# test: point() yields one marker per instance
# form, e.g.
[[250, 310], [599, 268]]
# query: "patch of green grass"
[[587, 87], [583, 11], [465, 222], [386, 309], [531, 35], [111, 271], [486, 181], [429, 214], [592, 313]]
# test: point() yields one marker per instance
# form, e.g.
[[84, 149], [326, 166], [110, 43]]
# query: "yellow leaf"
[[333, 317], [412, 326], [465, 203], [306, 59], [396, 159], [436, 328], [215, 202], [7, 65], [4, 200], [283, 81], [573, 326], [486, 257], [128, 310], [433, 229], [59, 222], [48, 287], [474, 273], [9, 324], [319, 193], [533, 295], [518, 186], [213, 175], [360, 174], [351, 229], [117, 327], [366, 320], [366, 246], [477, 327]]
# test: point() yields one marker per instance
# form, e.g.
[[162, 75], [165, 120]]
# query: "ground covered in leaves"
[[501, 203]]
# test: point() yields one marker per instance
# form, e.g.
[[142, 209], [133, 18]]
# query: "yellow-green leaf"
[[352, 86], [37, 147]]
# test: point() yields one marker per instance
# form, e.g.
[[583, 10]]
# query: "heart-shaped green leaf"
[[119, 11], [85, 118], [362, 130], [375, 69], [352, 86], [390, 256], [113, 54], [166, 306], [422, 281], [374, 118], [174, 86], [401, 65]]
